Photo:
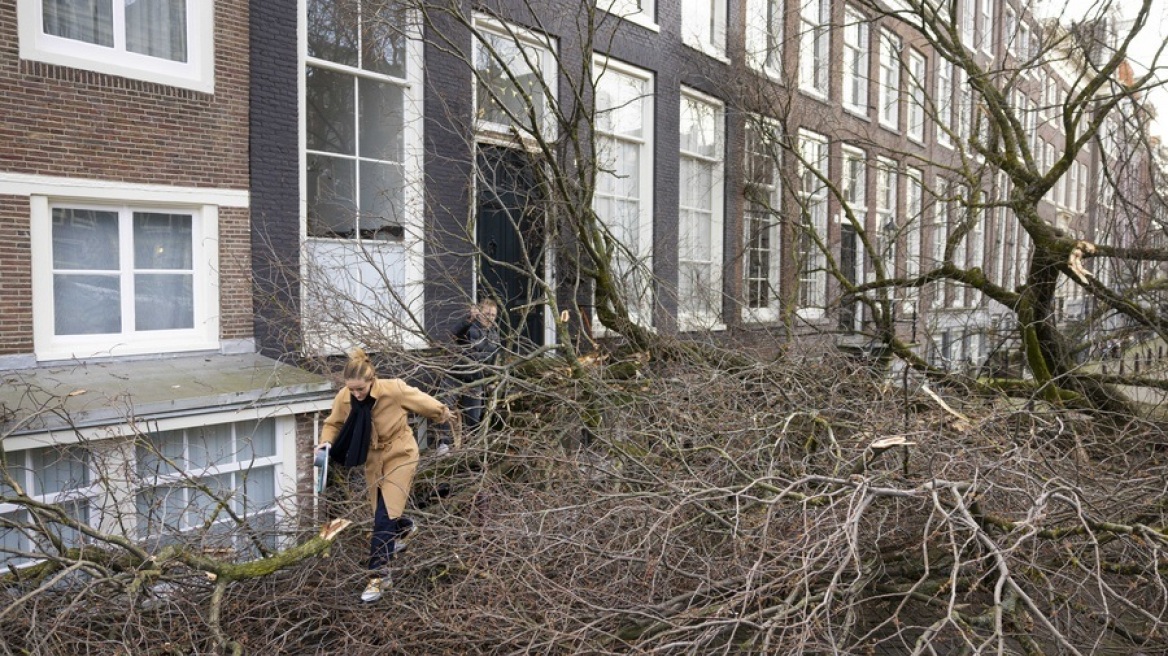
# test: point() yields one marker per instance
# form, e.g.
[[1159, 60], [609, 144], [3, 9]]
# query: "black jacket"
[[478, 346]]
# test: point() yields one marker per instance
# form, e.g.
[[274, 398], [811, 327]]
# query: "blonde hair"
[[359, 367]]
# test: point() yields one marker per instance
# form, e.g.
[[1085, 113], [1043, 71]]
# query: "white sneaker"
[[403, 540], [376, 586], [442, 450]]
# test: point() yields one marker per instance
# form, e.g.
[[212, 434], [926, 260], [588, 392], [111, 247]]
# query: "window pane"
[[498, 99], [157, 28], [86, 304], [255, 439], [698, 128], [259, 489], [160, 508], [12, 540], [16, 469], [332, 31], [91, 21], [162, 447], [162, 241], [211, 445], [85, 239], [619, 104], [164, 301], [68, 535], [380, 120], [330, 121], [383, 45], [332, 203], [381, 200], [59, 469]]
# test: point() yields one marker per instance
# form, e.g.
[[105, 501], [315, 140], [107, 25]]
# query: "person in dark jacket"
[[477, 339]]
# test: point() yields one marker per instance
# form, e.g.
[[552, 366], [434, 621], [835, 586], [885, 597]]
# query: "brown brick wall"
[[235, 289], [64, 121], [67, 122], [15, 277]]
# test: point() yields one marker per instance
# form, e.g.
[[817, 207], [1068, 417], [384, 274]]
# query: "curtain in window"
[[91, 21], [157, 28]]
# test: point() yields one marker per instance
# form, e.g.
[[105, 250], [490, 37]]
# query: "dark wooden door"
[[510, 238]]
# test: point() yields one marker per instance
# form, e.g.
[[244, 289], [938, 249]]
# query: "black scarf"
[[352, 445]]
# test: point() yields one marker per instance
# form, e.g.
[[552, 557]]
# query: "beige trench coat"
[[393, 452]]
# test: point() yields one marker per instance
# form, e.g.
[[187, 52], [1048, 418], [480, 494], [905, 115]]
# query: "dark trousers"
[[470, 400], [386, 530]]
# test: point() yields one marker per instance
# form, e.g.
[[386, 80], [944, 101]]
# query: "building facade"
[[191, 193]]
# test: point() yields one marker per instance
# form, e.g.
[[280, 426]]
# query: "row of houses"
[[184, 188]]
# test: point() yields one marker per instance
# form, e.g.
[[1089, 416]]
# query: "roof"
[[79, 395]]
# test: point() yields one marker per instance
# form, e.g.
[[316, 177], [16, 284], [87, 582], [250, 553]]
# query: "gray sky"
[[1143, 49]]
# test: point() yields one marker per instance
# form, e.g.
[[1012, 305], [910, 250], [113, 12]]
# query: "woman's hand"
[[446, 417]]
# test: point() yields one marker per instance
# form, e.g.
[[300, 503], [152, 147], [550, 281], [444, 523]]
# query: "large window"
[[943, 102], [914, 218], [623, 198], [764, 35], [700, 211], [814, 46], [362, 81], [889, 89], [887, 183], [986, 35], [917, 84], [812, 231], [50, 475], [761, 219], [703, 25], [116, 280], [855, 62], [940, 236], [854, 182], [187, 473], [164, 41], [356, 94], [642, 12], [515, 77]]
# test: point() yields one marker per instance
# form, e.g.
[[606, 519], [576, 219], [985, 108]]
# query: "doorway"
[[510, 235]]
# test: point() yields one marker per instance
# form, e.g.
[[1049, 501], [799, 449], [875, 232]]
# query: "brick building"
[[126, 283], [183, 191]]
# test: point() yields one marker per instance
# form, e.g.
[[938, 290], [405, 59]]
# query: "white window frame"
[[887, 191], [814, 165], [22, 463], [640, 310], [940, 236], [814, 47], [710, 35], [764, 36], [964, 108], [914, 208], [1010, 30], [943, 102], [771, 132], [917, 107], [854, 182], [363, 267], [283, 437], [711, 317], [197, 73], [888, 87], [540, 48], [641, 12], [987, 26], [856, 62], [968, 18], [204, 335]]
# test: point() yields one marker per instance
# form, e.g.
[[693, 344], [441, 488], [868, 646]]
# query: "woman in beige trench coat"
[[369, 426]]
